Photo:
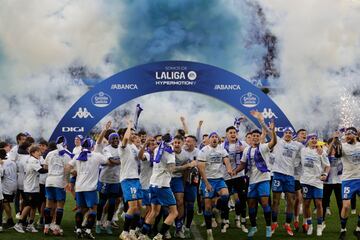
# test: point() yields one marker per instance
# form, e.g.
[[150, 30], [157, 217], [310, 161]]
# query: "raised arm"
[[102, 134], [127, 133], [273, 140], [184, 125], [198, 132], [141, 155], [258, 115], [263, 135]]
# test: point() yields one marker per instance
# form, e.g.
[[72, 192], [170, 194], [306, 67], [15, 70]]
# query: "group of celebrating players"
[[161, 177]]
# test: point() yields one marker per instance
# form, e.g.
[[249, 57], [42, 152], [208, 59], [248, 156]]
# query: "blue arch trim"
[[166, 76]]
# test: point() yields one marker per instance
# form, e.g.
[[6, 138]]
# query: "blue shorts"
[[55, 194], [260, 189], [190, 192], [113, 189], [177, 184], [283, 183], [86, 199], [131, 189], [146, 197], [216, 184], [162, 196], [311, 192], [349, 188]]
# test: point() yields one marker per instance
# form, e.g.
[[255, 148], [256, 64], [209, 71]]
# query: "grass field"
[[331, 231]]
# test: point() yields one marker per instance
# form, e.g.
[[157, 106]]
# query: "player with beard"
[[109, 184], [236, 184], [177, 183], [191, 182], [286, 154], [301, 135], [210, 161], [143, 136], [350, 175], [255, 160], [316, 167], [130, 182]]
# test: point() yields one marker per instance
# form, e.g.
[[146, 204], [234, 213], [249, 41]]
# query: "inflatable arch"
[[166, 76]]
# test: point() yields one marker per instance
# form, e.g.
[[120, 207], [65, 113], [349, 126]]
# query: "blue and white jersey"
[[130, 163], [286, 156], [110, 173], [56, 169], [87, 171], [76, 150], [255, 175], [351, 161], [313, 166], [146, 169], [234, 158], [180, 159], [9, 181], [214, 160], [191, 155], [161, 176], [31, 178]]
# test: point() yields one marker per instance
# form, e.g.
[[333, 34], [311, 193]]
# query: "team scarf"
[[237, 123], [137, 115], [238, 155], [259, 161], [86, 145], [201, 146], [151, 154], [61, 142], [163, 147]]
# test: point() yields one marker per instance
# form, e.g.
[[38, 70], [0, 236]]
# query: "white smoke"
[[317, 55], [318, 59], [39, 41]]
